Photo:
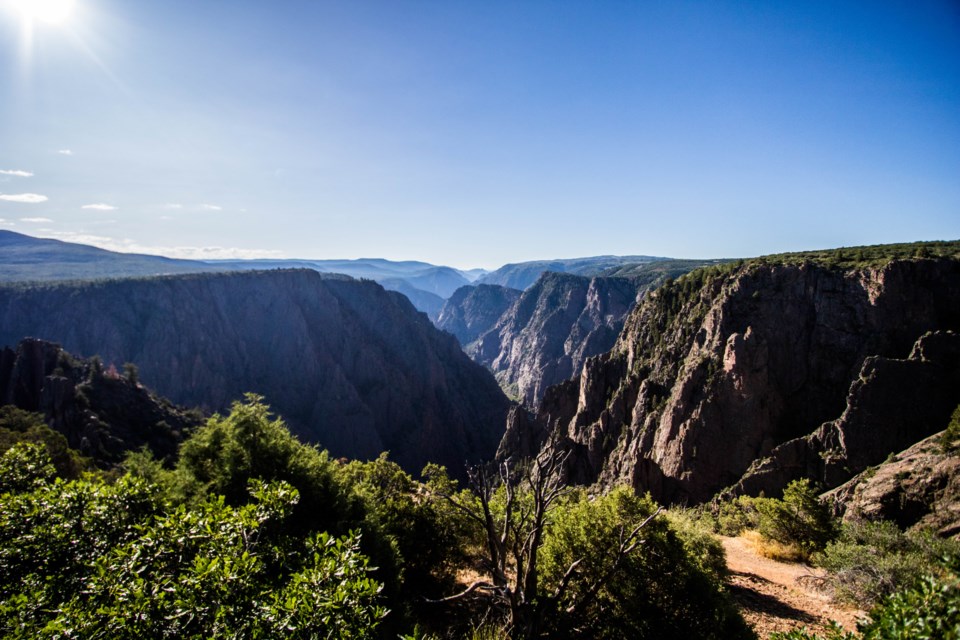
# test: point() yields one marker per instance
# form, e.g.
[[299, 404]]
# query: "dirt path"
[[771, 598]]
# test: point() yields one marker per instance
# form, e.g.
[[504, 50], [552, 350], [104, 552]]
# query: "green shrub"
[[17, 425], [927, 610], [799, 519], [871, 560], [733, 517], [90, 559], [950, 439], [701, 545], [658, 590]]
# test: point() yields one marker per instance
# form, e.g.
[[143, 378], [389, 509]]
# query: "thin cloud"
[[211, 207], [26, 198], [99, 207], [36, 220], [16, 172], [65, 152], [173, 205], [126, 245]]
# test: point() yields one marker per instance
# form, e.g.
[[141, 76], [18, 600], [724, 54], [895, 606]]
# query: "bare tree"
[[514, 531]]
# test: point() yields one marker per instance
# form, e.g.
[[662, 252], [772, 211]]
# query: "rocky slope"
[[918, 487], [549, 331], [472, 311], [102, 414], [717, 369], [349, 365]]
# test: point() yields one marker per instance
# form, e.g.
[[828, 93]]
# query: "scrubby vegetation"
[[929, 609], [250, 533], [870, 561], [791, 528]]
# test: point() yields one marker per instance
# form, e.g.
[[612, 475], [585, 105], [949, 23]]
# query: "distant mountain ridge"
[[25, 258], [521, 275], [349, 365]]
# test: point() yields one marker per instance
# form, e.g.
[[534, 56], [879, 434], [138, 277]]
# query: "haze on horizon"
[[475, 134]]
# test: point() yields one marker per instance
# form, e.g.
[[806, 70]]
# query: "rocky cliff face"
[[472, 311], [102, 414], [550, 330], [918, 487], [349, 365], [719, 368]]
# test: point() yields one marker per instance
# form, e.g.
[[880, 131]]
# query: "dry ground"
[[770, 596]]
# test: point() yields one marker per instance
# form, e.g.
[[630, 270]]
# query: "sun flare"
[[50, 11]]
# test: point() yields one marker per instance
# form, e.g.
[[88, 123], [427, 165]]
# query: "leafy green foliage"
[[928, 610], [249, 443], [733, 517], [428, 535], [799, 519], [659, 590], [87, 559], [871, 560], [51, 533], [17, 425], [950, 439]]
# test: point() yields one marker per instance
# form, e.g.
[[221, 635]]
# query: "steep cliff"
[[102, 414], [349, 365], [717, 369], [548, 332], [472, 311]]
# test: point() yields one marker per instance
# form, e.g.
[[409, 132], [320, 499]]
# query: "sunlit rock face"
[[740, 364]]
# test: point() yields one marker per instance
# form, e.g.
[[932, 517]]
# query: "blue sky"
[[479, 133]]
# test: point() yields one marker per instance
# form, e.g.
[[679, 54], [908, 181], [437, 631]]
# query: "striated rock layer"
[[349, 365], [102, 414], [721, 367], [551, 329]]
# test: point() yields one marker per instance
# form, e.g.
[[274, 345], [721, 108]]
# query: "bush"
[[871, 560], [17, 425], [799, 519], [950, 439], [85, 559], [658, 591], [735, 516], [928, 610]]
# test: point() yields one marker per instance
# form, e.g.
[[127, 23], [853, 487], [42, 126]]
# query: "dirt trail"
[[771, 598]]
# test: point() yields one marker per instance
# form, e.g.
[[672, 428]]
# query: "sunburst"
[[49, 11]]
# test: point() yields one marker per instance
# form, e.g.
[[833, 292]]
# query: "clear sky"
[[479, 133]]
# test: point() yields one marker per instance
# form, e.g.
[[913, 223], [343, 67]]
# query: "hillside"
[[716, 370], [351, 366], [522, 275], [102, 414], [25, 258]]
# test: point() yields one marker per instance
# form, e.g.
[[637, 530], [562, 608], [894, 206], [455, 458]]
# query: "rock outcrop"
[[917, 488], [101, 413], [551, 329], [349, 365], [473, 310], [719, 368], [891, 404]]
